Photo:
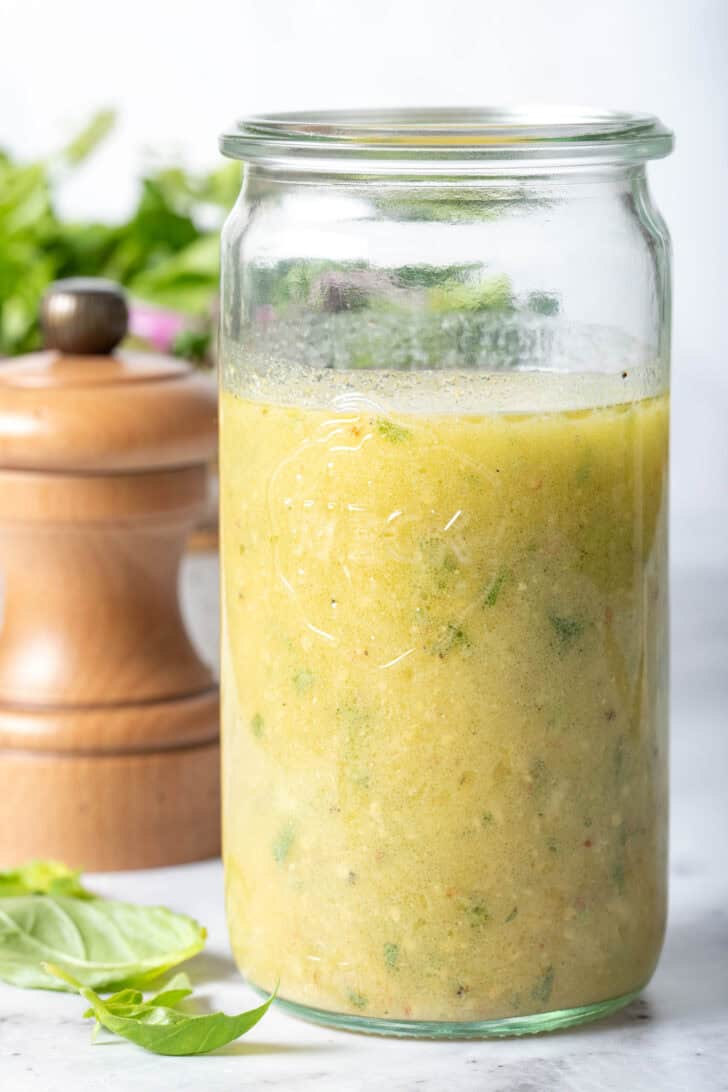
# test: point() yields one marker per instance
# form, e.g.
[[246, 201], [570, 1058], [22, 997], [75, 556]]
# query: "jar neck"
[[581, 179]]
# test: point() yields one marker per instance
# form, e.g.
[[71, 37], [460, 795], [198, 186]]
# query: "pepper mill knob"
[[84, 315]]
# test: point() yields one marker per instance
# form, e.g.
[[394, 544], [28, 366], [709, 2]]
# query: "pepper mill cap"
[[81, 406]]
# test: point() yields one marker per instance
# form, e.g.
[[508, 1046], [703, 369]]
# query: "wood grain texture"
[[107, 812], [98, 414], [91, 607], [109, 754]]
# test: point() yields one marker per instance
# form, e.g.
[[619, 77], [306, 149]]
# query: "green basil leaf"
[[123, 999], [177, 989], [43, 878], [103, 944], [125, 1002], [164, 1030]]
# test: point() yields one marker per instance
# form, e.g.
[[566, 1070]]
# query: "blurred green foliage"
[[166, 253]]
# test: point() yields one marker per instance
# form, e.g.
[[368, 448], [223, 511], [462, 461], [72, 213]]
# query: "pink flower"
[[156, 325]]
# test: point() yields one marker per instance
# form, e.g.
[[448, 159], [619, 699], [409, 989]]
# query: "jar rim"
[[446, 138]]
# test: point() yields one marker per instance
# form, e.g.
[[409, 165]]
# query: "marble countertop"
[[674, 1039]]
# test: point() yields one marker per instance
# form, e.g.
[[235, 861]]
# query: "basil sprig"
[[157, 1025]]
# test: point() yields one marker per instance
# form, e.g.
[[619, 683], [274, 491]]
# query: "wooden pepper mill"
[[109, 753]]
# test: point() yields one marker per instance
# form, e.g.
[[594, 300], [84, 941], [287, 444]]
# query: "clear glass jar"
[[444, 443]]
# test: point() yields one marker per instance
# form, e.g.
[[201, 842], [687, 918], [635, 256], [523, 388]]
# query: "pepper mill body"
[[109, 753]]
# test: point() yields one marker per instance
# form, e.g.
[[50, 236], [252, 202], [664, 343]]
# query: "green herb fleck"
[[476, 911], [242, 549], [396, 434], [486, 818], [283, 842], [494, 589], [587, 821], [552, 844], [358, 1000], [478, 914], [583, 471], [567, 630], [513, 915], [354, 717], [452, 637], [441, 562], [540, 777], [256, 725], [542, 990], [303, 681], [391, 954]]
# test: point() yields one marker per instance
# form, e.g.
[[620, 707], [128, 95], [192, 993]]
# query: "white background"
[[179, 71]]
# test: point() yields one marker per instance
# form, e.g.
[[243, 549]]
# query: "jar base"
[[506, 1027]]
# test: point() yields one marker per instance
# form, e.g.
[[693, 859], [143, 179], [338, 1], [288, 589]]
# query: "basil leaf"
[[123, 999], [43, 878], [164, 1030], [177, 989], [103, 944]]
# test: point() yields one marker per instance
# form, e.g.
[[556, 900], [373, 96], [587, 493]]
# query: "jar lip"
[[430, 136]]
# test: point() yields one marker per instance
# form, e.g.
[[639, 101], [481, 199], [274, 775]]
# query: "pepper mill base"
[[105, 789]]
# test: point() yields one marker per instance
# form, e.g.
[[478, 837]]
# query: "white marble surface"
[[674, 1038]]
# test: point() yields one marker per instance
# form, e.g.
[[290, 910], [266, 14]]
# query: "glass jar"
[[444, 439]]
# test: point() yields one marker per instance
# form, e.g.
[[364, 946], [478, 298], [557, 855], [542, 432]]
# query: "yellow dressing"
[[444, 642]]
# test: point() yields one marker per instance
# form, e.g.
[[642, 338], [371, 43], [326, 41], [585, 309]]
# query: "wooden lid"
[[78, 406]]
